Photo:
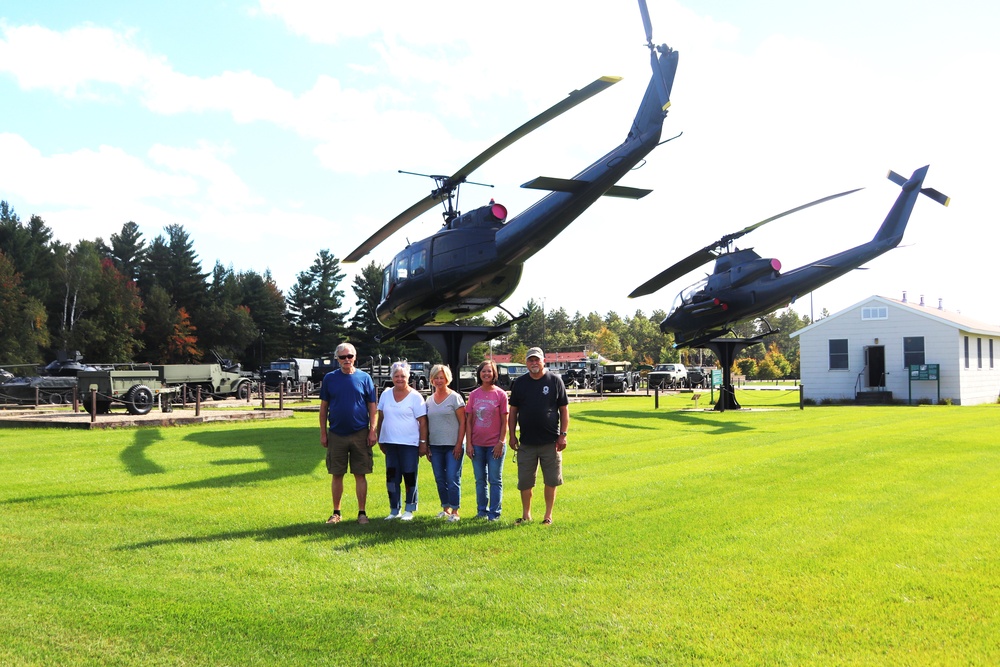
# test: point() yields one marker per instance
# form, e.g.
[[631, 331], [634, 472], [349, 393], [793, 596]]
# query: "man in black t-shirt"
[[539, 405]]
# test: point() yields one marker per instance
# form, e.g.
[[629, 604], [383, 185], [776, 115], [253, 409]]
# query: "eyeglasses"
[[345, 356]]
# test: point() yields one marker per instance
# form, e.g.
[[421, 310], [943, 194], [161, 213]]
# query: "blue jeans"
[[489, 472], [448, 475], [401, 462]]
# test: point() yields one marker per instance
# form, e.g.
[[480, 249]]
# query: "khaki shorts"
[[528, 459], [344, 449]]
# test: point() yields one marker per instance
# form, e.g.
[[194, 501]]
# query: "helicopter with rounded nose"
[[474, 262]]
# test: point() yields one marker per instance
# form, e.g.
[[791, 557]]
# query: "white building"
[[868, 350]]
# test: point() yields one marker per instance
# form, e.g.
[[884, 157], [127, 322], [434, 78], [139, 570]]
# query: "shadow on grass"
[[354, 534], [134, 456], [285, 452], [653, 421]]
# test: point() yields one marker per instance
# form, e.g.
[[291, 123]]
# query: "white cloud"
[[74, 63]]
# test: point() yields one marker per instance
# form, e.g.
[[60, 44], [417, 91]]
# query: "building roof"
[[956, 320]]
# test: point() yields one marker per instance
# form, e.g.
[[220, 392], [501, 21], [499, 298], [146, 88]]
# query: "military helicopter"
[[474, 262], [744, 285]]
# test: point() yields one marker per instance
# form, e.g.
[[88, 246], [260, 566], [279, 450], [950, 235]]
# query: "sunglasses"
[[345, 356]]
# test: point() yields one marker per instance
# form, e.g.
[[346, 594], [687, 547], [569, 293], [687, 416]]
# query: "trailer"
[[137, 390]]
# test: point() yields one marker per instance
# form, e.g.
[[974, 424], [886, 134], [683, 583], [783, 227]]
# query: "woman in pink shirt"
[[485, 438]]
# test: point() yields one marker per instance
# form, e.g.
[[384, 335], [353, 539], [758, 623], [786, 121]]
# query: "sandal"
[[334, 518], [546, 522], [521, 522]]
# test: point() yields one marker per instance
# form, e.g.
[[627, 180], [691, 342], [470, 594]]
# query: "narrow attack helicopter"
[[744, 285], [474, 262]]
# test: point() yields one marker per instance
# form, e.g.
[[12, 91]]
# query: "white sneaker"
[[391, 517], [452, 518], [407, 516], [442, 515]]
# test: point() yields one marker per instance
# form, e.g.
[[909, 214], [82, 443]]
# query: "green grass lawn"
[[830, 536]]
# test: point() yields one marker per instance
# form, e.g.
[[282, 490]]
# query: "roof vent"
[[904, 296], [921, 299], [940, 304]]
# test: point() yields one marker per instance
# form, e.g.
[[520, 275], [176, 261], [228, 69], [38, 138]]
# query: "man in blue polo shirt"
[[347, 413]]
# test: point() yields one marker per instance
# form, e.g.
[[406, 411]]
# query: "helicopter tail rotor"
[[901, 180], [663, 76]]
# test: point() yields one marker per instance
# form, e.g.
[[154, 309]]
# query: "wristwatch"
[[563, 433]]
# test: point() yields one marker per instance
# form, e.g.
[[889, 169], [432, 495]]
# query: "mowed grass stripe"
[[834, 535]]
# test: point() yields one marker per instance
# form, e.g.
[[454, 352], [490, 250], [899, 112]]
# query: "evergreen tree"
[[229, 328], [127, 251], [160, 318], [266, 304], [530, 327], [28, 248], [315, 307], [364, 327]]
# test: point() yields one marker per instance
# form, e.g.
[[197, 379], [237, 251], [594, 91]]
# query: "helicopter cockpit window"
[[418, 262], [690, 294], [401, 272], [386, 281]]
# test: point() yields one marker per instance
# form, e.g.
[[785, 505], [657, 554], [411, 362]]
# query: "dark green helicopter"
[[743, 285], [474, 262]]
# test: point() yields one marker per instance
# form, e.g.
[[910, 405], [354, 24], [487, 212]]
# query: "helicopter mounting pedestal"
[[453, 342], [726, 350]]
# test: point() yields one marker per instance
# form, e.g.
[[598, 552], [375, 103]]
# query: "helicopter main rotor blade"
[[708, 253], [725, 240], [447, 186], [574, 98], [394, 225], [646, 23], [681, 268]]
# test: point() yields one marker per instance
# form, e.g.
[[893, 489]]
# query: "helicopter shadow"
[[653, 421], [285, 452]]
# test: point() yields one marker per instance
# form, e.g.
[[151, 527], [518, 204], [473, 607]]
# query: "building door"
[[875, 365]]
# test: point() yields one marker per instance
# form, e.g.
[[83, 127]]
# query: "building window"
[[838, 354], [875, 313], [979, 353], [991, 353], [913, 351]]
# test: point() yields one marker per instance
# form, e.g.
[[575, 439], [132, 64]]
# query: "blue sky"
[[271, 130]]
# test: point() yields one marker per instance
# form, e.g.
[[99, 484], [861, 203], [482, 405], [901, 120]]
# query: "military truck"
[[289, 373], [668, 376], [507, 373], [212, 379], [618, 376], [581, 374]]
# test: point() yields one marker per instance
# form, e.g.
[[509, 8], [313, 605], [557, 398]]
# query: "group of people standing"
[[444, 429]]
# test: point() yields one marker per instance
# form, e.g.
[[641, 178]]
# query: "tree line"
[[129, 300]]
